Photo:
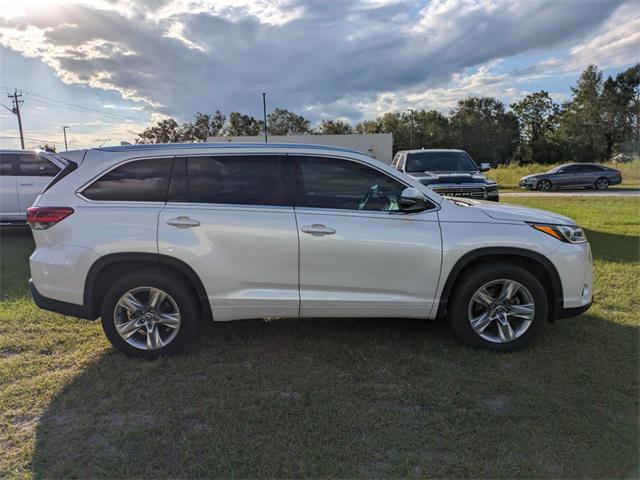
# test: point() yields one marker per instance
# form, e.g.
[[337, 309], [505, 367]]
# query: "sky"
[[109, 68]]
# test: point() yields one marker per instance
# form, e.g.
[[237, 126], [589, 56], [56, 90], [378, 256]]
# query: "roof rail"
[[193, 146]]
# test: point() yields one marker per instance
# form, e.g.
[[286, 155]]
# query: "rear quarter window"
[[136, 181], [36, 166]]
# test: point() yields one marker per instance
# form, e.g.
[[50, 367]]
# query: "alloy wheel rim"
[[545, 185], [147, 318], [601, 184], [501, 311]]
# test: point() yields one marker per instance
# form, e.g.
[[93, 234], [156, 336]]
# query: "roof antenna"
[[264, 113]]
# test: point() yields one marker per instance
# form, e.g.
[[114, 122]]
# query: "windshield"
[[440, 162]]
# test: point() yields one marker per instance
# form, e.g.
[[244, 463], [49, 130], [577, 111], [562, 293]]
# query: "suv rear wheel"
[[148, 314], [498, 306]]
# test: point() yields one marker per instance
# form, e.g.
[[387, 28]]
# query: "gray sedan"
[[573, 175]]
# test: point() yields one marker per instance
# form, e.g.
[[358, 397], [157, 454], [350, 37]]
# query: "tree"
[[47, 147], [334, 127], [368, 126], [582, 122], [204, 126], [397, 124], [482, 127], [165, 131], [431, 129], [621, 111], [241, 125], [538, 117], [284, 122]]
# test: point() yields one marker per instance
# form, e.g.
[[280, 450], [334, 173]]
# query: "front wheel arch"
[[536, 263]]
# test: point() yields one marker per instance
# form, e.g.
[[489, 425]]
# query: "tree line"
[[602, 118]]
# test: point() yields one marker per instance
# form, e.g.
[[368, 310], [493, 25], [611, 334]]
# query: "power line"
[[63, 103], [94, 113]]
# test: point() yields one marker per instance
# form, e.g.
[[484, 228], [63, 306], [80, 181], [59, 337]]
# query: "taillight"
[[41, 218]]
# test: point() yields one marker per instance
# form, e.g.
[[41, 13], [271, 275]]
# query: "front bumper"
[[561, 312], [574, 264], [527, 183]]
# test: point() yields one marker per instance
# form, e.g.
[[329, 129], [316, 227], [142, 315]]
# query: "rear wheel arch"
[[109, 267], [536, 263]]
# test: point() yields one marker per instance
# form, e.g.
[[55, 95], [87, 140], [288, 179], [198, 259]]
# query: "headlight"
[[564, 233]]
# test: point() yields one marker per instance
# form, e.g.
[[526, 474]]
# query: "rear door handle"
[[318, 230], [26, 184], [183, 222]]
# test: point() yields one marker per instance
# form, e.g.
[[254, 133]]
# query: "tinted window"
[[435, 161], [241, 180], [6, 164], [35, 165], [137, 181], [332, 183]]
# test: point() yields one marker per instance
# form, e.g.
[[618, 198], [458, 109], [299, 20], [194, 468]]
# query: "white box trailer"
[[376, 145]]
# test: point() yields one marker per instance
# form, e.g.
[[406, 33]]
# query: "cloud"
[[322, 57], [615, 44]]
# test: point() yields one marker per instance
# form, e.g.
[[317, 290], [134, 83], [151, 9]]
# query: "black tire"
[[602, 183], [544, 185], [181, 293], [474, 278]]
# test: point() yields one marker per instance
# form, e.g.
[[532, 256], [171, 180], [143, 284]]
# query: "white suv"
[[23, 175], [153, 238]]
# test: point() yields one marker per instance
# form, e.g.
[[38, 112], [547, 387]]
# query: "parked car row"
[[152, 238]]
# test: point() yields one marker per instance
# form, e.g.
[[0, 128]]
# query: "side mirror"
[[411, 200], [485, 166]]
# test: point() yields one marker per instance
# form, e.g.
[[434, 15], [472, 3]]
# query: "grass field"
[[508, 176], [331, 398]]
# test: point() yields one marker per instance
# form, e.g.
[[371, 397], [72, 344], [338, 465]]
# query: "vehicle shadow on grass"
[[353, 398], [614, 247]]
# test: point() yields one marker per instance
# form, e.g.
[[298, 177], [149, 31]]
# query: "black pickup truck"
[[451, 173]]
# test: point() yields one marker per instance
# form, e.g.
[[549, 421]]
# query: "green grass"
[[508, 176], [331, 398]]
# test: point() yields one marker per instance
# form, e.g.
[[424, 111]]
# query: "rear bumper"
[[65, 308]]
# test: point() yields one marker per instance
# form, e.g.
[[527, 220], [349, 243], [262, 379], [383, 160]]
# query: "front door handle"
[[26, 184], [318, 230], [183, 222]]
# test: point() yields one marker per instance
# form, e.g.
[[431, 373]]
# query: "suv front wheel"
[[148, 314], [498, 306]]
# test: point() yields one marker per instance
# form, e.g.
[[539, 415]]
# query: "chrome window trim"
[[282, 154]]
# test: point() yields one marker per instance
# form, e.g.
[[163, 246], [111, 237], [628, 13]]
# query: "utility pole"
[[411, 131], [16, 111], [264, 113], [64, 130]]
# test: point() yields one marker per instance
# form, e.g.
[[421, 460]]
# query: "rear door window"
[[237, 180], [6, 164], [36, 166], [136, 181]]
